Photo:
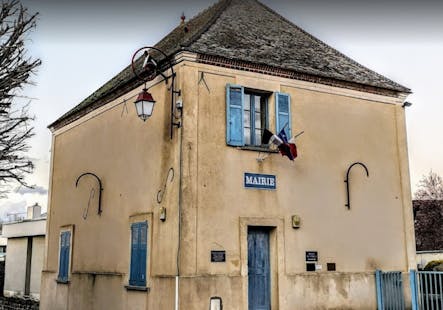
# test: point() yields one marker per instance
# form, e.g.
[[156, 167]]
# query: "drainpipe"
[[179, 208], [176, 292]]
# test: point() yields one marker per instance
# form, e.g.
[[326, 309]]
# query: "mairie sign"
[[260, 181]]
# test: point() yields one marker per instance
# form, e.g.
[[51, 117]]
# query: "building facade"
[[24, 260], [212, 216]]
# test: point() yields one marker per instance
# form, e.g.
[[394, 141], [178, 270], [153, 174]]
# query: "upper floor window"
[[255, 117], [247, 115]]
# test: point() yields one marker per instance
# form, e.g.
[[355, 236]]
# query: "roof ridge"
[[209, 23], [327, 46]]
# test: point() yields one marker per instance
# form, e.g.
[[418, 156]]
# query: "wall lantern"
[[146, 67], [406, 104], [144, 104]]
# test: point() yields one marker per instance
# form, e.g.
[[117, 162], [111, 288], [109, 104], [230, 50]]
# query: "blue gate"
[[389, 290], [427, 290]]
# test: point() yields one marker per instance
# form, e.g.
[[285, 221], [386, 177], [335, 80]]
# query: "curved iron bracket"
[[348, 205], [99, 212]]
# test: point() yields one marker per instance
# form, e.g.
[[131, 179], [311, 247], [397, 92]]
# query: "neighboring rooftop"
[[428, 222], [244, 33]]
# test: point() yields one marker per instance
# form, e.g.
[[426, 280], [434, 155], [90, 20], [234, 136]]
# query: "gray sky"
[[84, 43]]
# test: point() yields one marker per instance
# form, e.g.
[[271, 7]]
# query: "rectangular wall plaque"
[[311, 256], [260, 181], [218, 256]]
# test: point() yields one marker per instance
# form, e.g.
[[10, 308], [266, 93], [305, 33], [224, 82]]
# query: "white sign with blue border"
[[260, 181]]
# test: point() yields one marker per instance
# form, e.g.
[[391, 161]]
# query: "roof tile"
[[245, 30]]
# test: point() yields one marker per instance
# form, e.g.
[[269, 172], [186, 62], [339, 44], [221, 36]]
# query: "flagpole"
[[297, 135]]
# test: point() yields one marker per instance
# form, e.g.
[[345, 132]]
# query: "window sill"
[[137, 288], [262, 149], [59, 281]]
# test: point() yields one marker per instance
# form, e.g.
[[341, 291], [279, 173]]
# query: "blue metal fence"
[[389, 290], [427, 290]]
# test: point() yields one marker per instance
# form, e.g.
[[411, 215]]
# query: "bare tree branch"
[[16, 69], [430, 187]]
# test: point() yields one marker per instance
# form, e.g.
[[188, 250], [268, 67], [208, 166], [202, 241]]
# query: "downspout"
[[179, 200]]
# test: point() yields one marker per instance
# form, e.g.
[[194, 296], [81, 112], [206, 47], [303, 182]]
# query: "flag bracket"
[[348, 204], [99, 212]]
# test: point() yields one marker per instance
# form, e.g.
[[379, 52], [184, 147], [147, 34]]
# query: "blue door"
[[259, 289]]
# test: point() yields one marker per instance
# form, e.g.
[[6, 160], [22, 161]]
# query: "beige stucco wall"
[[132, 159]]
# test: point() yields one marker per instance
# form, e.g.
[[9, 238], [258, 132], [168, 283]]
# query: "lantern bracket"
[[152, 65]]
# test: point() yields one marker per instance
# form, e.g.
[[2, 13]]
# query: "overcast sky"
[[84, 43]]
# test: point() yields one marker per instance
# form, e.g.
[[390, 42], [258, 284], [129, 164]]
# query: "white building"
[[24, 261]]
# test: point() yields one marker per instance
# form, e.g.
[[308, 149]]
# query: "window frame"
[[137, 282], [238, 139], [252, 111], [131, 283], [64, 277]]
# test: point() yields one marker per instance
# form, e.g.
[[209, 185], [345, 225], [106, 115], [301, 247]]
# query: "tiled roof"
[[428, 222], [246, 30]]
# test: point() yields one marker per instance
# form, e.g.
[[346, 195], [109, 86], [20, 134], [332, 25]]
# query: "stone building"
[[146, 215]]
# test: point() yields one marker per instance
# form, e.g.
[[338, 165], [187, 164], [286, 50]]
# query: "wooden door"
[[259, 289]]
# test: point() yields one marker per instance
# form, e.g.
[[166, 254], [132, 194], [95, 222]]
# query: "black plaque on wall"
[[311, 256], [218, 256]]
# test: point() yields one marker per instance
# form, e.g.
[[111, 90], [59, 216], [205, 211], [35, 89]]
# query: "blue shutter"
[[283, 113], [139, 238], [134, 254], [61, 257], [142, 248], [65, 239], [234, 115]]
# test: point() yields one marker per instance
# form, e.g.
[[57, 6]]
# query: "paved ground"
[[18, 304]]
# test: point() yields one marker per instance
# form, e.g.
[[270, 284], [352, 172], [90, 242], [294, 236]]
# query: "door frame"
[[275, 226]]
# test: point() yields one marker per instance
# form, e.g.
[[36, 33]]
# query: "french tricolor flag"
[[285, 147]]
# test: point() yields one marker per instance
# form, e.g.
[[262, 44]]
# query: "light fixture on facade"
[[146, 67], [406, 104], [144, 104]]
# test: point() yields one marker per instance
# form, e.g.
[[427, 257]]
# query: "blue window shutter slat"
[[60, 266], [283, 113], [67, 248], [64, 265], [143, 252], [134, 252], [60, 263], [234, 115]]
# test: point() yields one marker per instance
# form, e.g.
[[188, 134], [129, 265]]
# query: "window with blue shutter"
[[137, 276], [65, 247], [246, 115], [283, 113], [234, 115]]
